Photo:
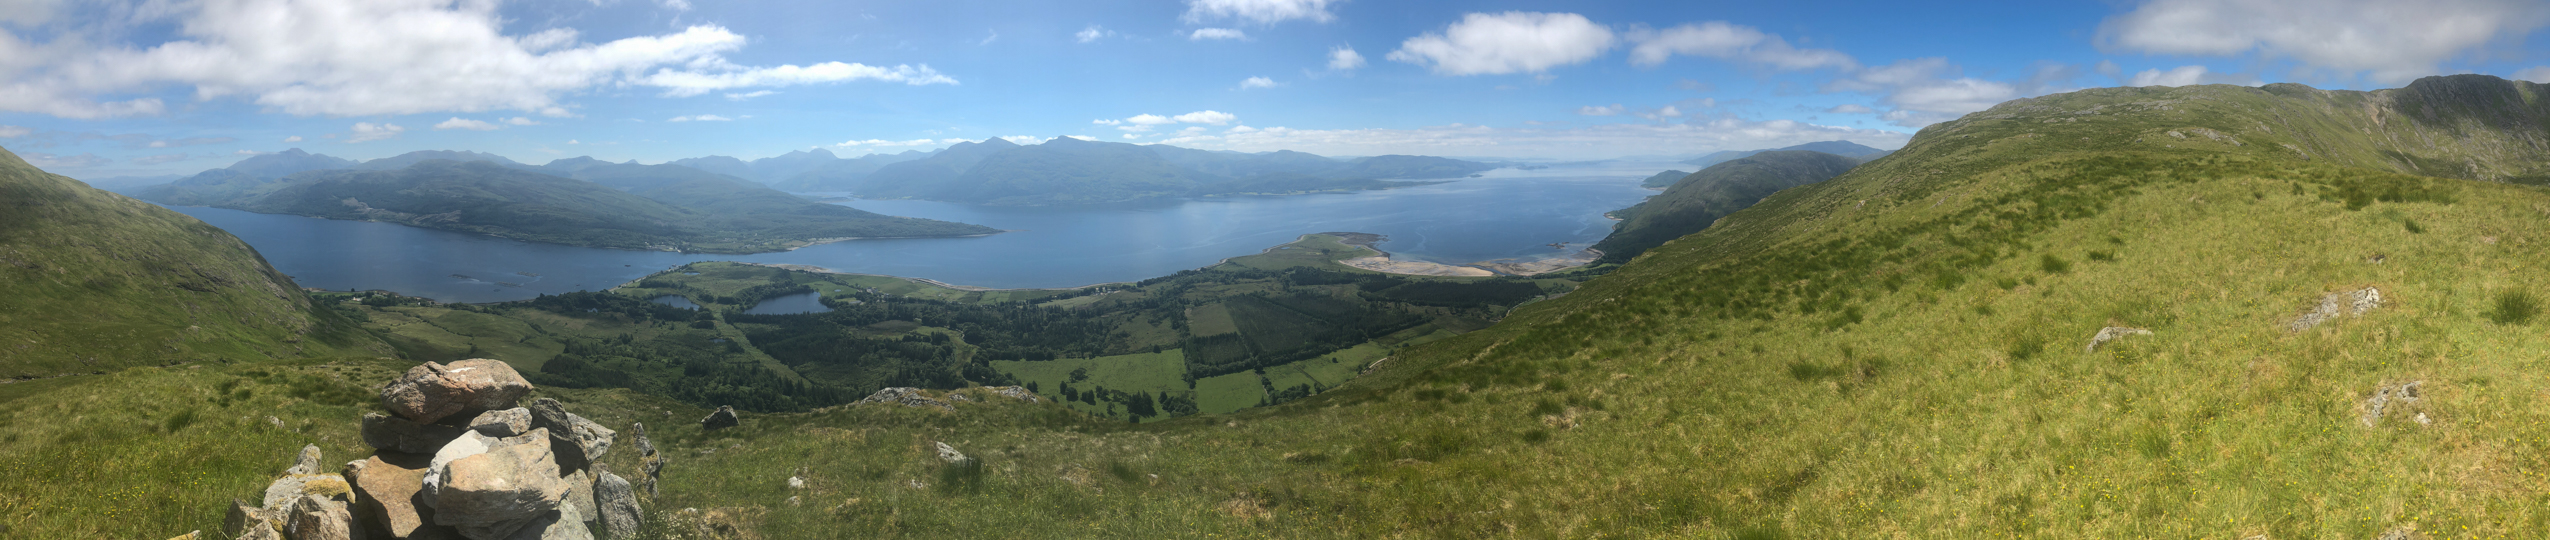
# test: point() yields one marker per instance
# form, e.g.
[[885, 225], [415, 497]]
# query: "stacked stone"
[[459, 457]]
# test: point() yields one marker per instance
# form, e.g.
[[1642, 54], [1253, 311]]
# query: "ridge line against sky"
[[92, 88]]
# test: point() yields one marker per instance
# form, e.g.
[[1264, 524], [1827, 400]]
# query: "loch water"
[[1503, 214]]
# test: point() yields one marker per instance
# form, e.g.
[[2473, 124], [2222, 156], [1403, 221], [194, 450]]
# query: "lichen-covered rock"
[[905, 396], [242, 516], [490, 494], [503, 423], [386, 486], [722, 419], [2387, 398], [307, 462], [315, 518], [2113, 333], [285, 489], [403, 435], [430, 391], [580, 495], [949, 454], [621, 516], [260, 531]]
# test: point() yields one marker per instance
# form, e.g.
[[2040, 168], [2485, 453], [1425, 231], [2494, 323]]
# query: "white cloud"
[[1595, 110], [1133, 136], [749, 95], [2539, 74], [700, 118], [367, 132], [1259, 11], [2182, 76], [292, 139], [1202, 34], [247, 153], [383, 57], [159, 159], [1850, 108], [1149, 119], [1106, 121], [558, 112], [987, 40], [1600, 141], [1720, 40], [2392, 40], [1206, 117], [1026, 139], [1092, 33], [1257, 82], [1081, 137], [1241, 129], [463, 123], [521, 121], [676, 5], [1509, 42], [691, 83], [573, 141], [12, 132], [51, 161], [1925, 91], [1344, 58], [1660, 114]]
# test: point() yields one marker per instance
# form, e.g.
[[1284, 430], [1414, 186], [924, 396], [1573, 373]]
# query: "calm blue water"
[[1506, 214]]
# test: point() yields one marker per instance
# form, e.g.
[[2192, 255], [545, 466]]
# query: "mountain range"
[[1694, 201]]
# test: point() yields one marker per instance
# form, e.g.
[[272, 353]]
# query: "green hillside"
[[1700, 198], [1904, 350], [92, 281]]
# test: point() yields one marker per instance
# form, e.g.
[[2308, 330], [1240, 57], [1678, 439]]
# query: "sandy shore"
[[1530, 267], [1386, 265]]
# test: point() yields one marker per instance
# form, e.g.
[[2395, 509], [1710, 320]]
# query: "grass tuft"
[[2514, 307]]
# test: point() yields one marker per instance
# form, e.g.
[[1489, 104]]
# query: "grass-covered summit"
[[93, 281], [1693, 202]]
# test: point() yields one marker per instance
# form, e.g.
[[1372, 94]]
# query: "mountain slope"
[[1703, 197], [1839, 148], [93, 281]]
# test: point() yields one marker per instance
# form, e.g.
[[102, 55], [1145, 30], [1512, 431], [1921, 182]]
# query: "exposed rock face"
[[505, 423], [562, 524], [314, 518], [261, 531], [387, 485], [580, 495], [430, 391], [722, 419], [620, 515], [2333, 305], [644, 447], [489, 494], [2113, 333], [1016, 392], [2387, 398], [285, 489], [402, 435], [949, 454], [578, 441], [307, 462], [242, 517], [905, 396]]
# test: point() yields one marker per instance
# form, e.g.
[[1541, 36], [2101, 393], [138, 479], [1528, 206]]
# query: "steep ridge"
[[93, 281], [1691, 203]]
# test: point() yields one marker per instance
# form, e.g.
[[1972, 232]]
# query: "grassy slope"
[[1694, 202], [1718, 388], [94, 281]]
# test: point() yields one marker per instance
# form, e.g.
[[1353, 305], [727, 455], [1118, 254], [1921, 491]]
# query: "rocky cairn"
[[459, 457]]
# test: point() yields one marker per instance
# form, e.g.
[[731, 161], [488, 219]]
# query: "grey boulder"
[[430, 391]]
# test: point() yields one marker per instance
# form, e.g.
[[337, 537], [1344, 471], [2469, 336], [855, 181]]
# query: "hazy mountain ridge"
[[1067, 171], [1839, 148]]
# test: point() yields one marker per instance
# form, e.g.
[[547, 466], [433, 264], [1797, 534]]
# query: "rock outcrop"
[[430, 391], [457, 458], [2333, 305], [2113, 333], [722, 419], [905, 396]]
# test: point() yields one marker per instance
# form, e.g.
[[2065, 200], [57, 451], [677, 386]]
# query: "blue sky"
[[94, 89]]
